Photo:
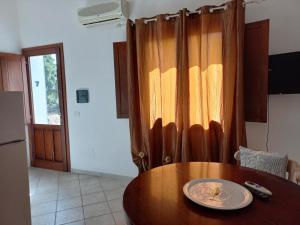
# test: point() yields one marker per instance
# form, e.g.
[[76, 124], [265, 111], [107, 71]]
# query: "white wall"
[[284, 110], [100, 142], [9, 28]]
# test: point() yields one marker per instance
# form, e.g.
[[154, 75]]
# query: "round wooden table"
[[156, 197]]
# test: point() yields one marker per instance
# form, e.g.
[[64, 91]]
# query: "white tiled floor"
[[75, 199]]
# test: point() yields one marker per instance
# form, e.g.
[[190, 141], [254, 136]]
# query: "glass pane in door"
[[45, 93]]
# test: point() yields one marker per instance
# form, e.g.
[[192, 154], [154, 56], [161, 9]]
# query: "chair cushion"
[[273, 163]]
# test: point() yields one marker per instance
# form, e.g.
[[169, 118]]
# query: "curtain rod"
[[253, 2], [211, 10]]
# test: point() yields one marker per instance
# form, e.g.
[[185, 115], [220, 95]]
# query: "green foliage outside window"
[[51, 83]]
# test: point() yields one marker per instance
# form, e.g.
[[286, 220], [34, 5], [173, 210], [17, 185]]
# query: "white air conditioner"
[[106, 11]]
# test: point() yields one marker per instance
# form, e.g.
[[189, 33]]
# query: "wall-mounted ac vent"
[[111, 10]]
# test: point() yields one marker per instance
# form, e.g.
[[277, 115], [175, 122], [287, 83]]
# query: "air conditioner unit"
[[106, 11]]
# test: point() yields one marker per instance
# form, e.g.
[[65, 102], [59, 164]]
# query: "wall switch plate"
[[82, 96], [77, 113]]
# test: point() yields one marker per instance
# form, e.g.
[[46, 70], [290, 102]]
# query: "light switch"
[[77, 113], [82, 96]]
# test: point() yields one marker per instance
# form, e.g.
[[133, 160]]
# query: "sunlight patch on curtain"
[[162, 92], [205, 92], [155, 96], [168, 80]]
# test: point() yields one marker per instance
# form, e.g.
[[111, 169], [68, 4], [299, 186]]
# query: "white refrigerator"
[[14, 184]]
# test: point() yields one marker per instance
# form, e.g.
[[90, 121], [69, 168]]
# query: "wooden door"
[[120, 60], [11, 67], [49, 127], [13, 77], [256, 71]]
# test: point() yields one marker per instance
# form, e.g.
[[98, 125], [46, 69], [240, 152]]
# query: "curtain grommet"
[[142, 155], [168, 159]]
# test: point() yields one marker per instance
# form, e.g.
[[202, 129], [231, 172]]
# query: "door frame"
[[40, 50]]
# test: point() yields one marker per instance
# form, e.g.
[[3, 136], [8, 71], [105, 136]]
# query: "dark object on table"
[[258, 190]]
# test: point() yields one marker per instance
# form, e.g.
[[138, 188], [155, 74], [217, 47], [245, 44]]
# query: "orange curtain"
[[185, 78]]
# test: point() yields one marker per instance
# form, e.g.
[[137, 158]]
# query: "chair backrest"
[[293, 168]]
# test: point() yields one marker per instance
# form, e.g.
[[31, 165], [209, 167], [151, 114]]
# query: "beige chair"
[[293, 169]]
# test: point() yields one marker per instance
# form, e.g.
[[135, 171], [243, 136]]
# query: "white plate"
[[231, 195]]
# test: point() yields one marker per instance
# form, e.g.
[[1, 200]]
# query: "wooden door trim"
[[42, 126], [121, 112], [40, 50], [1, 78], [8, 55], [47, 165]]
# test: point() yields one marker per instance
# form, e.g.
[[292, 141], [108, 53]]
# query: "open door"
[[49, 128]]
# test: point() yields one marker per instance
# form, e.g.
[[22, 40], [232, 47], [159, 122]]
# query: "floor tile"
[[42, 198], [69, 184], [52, 179], [66, 198], [69, 203], [101, 220], [91, 189], [125, 182], [48, 181], [32, 191], [44, 208], [106, 178], [120, 218], [116, 205], [65, 177], [69, 216], [46, 189], [89, 181], [69, 193], [44, 220], [111, 184], [33, 182], [96, 210], [93, 198], [76, 223], [85, 176], [114, 194]]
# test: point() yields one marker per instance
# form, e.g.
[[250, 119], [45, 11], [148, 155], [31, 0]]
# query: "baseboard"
[[92, 173]]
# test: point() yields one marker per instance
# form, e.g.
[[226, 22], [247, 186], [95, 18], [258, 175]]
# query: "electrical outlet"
[[91, 153], [77, 113]]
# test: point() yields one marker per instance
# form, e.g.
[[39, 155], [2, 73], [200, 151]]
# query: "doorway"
[[48, 130]]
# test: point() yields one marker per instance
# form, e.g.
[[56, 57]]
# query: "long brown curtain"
[[185, 77]]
